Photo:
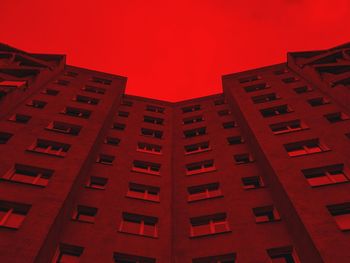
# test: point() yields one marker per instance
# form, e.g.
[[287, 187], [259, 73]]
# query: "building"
[[256, 174]]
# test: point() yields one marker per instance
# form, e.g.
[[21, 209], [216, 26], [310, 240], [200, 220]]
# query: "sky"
[[174, 50]]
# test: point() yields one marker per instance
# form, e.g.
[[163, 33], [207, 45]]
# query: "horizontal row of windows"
[[97, 80]]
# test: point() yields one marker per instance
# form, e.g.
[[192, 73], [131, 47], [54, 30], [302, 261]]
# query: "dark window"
[[95, 182], [127, 103], [252, 182], [124, 114], [153, 120], [305, 147], [68, 254], [336, 117], [318, 101], [202, 192], [149, 148], [229, 125], [341, 215], [85, 214], [193, 119], [101, 80], [194, 132], [288, 126], [275, 111], [51, 92], [209, 225], [118, 126], [243, 158], [70, 74], [93, 89], [152, 133], [127, 258], [37, 104], [265, 98], [12, 214], [86, 99], [282, 255], [265, 214], [112, 141], [235, 140], [249, 79], [144, 192], [146, 167], [303, 89], [224, 112], [139, 225], [227, 258], [290, 80], [197, 147], [62, 82], [191, 108], [105, 159], [281, 71], [76, 112], [5, 137], [155, 108], [200, 167], [256, 87], [20, 118], [63, 127], [49, 147], [326, 175]]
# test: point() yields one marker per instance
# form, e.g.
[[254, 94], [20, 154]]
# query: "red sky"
[[178, 49]]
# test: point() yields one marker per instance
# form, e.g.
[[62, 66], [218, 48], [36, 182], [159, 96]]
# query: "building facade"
[[256, 174]]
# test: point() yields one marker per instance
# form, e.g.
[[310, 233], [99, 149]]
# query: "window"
[[112, 141], [193, 119], [219, 102], [256, 87], [243, 158], [95, 182], [341, 215], [202, 192], [12, 214], [127, 258], [149, 148], [235, 140], [209, 225], [20, 118], [93, 89], [68, 254], [85, 99], [227, 258], [76, 112], [265, 98], [152, 133], [118, 126], [146, 167], [123, 114], [127, 103], [139, 225], [37, 104], [153, 120], [51, 92], [290, 80], [85, 214], [224, 112], [200, 167], [249, 79], [195, 132], [281, 71], [302, 89], [305, 147], [64, 127], [288, 126], [5, 137], [276, 110], [191, 108], [265, 214], [144, 192], [229, 125], [49, 147], [252, 182], [62, 82], [155, 108], [101, 80], [336, 117], [105, 159], [197, 148], [326, 175], [318, 101], [27, 174], [70, 74], [282, 255]]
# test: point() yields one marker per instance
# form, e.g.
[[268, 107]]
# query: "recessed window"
[[85, 214], [290, 80], [275, 111], [191, 108], [62, 82], [264, 214], [27, 174], [318, 101], [76, 112], [12, 214], [112, 141], [152, 133], [144, 192], [200, 167], [193, 119], [139, 225], [265, 98], [51, 92], [281, 71], [252, 182], [153, 120], [146, 167], [93, 89], [96, 182], [227, 258], [101, 80], [243, 158], [105, 159], [336, 117], [20, 118], [303, 89], [209, 225], [233, 140], [326, 175], [118, 126], [127, 258], [64, 127], [341, 215], [5, 137], [127, 103], [194, 132], [282, 255], [68, 253], [305, 147], [256, 87], [153, 108], [249, 79], [49, 147], [37, 104], [224, 112], [149, 148], [123, 114], [197, 147], [70, 74], [288, 126], [219, 102], [229, 125], [86, 99], [205, 191]]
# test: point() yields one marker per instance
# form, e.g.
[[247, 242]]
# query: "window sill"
[[59, 131], [290, 131], [142, 199], [145, 172], [134, 234], [321, 185], [196, 152], [266, 222], [200, 172], [208, 198], [44, 153], [304, 154], [149, 152], [210, 234], [22, 183]]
